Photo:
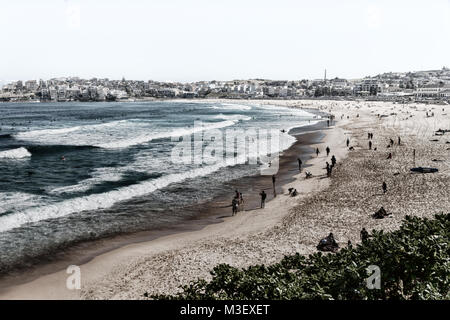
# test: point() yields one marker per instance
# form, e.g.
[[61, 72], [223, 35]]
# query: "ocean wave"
[[236, 106], [124, 133], [100, 175], [162, 135], [61, 131], [97, 201], [287, 110], [108, 199], [237, 117], [17, 201], [231, 106], [18, 153], [48, 149], [144, 162]]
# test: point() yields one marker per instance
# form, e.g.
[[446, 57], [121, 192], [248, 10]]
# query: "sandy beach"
[[342, 204]]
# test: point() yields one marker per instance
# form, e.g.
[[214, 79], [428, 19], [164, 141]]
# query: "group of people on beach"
[[329, 167], [237, 203]]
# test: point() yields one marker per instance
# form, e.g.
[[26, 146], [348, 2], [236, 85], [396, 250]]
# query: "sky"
[[192, 40]]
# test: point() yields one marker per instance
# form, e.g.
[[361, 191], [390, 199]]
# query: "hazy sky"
[[188, 40]]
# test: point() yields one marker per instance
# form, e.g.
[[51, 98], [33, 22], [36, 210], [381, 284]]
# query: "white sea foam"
[[18, 153], [237, 117], [116, 134], [231, 106], [62, 131], [236, 106], [18, 201], [173, 133], [287, 110], [107, 174]]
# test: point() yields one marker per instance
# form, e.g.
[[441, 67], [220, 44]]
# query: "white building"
[[433, 91]]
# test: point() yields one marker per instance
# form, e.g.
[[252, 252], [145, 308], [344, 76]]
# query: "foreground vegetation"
[[414, 263]]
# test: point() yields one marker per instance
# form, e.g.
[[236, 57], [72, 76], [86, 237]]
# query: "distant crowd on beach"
[[238, 200], [237, 204]]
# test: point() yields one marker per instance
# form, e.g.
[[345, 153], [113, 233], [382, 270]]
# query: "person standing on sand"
[[370, 145], [348, 141], [399, 141], [317, 151], [328, 151], [234, 206], [333, 160], [263, 199], [364, 235], [384, 187], [299, 164], [273, 184], [241, 201]]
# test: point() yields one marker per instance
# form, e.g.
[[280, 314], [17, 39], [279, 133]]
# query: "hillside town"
[[395, 86]]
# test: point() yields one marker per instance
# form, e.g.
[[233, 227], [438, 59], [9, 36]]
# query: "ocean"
[[73, 172]]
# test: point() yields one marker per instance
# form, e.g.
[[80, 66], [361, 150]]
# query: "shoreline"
[[85, 251]]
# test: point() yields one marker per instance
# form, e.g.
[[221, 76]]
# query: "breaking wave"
[[18, 153]]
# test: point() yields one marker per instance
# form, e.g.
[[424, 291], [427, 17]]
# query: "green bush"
[[414, 263]]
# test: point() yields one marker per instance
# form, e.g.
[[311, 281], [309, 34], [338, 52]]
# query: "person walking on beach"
[[348, 141], [234, 206], [317, 151], [273, 184], [299, 164], [328, 151], [384, 187], [364, 235], [241, 201], [333, 160], [263, 199]]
